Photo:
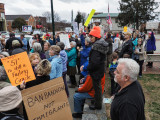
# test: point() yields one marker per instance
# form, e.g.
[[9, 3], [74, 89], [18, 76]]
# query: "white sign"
[[152, 25], [68, 29], [65, 39], [27, 28], [81, 27], [75, 28]]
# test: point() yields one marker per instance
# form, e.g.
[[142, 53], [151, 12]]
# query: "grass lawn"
[[151, 89]]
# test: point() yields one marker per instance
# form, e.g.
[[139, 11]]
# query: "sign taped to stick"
[[89, 17], [18, 68], [47, 101]]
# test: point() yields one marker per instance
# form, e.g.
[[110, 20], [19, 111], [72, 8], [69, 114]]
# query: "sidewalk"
[[154, 70]]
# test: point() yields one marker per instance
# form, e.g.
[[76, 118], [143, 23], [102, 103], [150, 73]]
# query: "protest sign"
[[125, 29], [27, 28], [152, 25], [89, 17], [81, 27], [18, 68], [47, 101], [75, 28], [65, 39]]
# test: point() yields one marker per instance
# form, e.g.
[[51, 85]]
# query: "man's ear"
[[126, 78]]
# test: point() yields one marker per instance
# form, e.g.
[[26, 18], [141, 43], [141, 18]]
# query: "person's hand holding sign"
[[23, 85]]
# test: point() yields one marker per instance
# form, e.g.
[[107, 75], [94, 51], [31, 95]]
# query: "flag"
[[108, 19]]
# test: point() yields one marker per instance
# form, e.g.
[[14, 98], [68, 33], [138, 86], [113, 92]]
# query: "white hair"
[[131, 68], [37, 47], [73, 43]]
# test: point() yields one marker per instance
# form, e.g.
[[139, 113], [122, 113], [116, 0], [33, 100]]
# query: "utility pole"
[[53, 27], [72, 19]]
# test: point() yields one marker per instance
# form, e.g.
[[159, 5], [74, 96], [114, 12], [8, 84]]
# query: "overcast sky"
[[62, 7]]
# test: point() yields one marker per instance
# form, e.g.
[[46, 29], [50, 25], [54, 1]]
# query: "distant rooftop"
[[13, 17], [104, 15]]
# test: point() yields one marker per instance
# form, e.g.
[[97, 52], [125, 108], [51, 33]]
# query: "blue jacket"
[[84, 54], [63, 55], [82, 40], [72, 55], [151, 43], [24, 40], [85, 71], [56, 67]]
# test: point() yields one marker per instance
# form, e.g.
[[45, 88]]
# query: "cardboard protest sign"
[[47, 101], [81, 27], [75, 28], [18, 68], [89, 17], [65, 39], [152, 25]]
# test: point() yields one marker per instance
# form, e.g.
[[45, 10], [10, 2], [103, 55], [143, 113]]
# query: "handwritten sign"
[[152, 25], [89, 17], [18, 68], [75, 28], [64, 38], [47, 101]]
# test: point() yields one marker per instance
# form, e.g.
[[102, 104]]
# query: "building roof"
[[13, 17], [104, 15]]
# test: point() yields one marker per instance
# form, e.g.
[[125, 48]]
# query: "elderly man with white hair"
[[129, 101]]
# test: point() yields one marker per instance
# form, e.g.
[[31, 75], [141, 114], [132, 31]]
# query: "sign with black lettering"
[[18, 68], [47, 101]]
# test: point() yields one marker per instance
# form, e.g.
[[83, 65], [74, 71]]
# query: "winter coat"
[[25, 43], [88, 86], [151, 43], [63, 55], [56, 67], [85, 71], [127, 48], [96, 59], [82, 40], [16, 51], [109, 41], [72, 55], [39, 80], [84, 54]]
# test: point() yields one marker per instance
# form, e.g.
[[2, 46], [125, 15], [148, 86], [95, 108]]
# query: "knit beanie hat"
[[96, 32]]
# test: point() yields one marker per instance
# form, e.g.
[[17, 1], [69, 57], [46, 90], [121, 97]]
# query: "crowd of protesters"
[[91, 55]]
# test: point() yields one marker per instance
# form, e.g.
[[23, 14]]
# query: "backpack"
[[113, 67]]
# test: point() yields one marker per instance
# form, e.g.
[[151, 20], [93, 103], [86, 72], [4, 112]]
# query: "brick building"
[[41, 21], [30, 20], [2, 18]]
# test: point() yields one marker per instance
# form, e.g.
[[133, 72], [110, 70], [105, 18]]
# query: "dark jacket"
[[9, 43], [17, 50], [11, 115], [127, 48], [109, 41], [129, 103], [96, 59], [39, 80]]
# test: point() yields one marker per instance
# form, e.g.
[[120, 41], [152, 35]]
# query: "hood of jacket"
[[100, 46]]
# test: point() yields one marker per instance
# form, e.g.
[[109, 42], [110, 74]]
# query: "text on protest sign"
[[18, 68], [89, 17], [47, 101], [65, 39]]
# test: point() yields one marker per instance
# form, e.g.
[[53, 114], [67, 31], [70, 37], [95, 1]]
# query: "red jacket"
[[88, 86]]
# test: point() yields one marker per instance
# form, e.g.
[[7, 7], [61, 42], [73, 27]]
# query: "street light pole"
[[53, 28]]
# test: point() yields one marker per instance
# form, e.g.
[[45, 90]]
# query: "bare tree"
[[48, 15]]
